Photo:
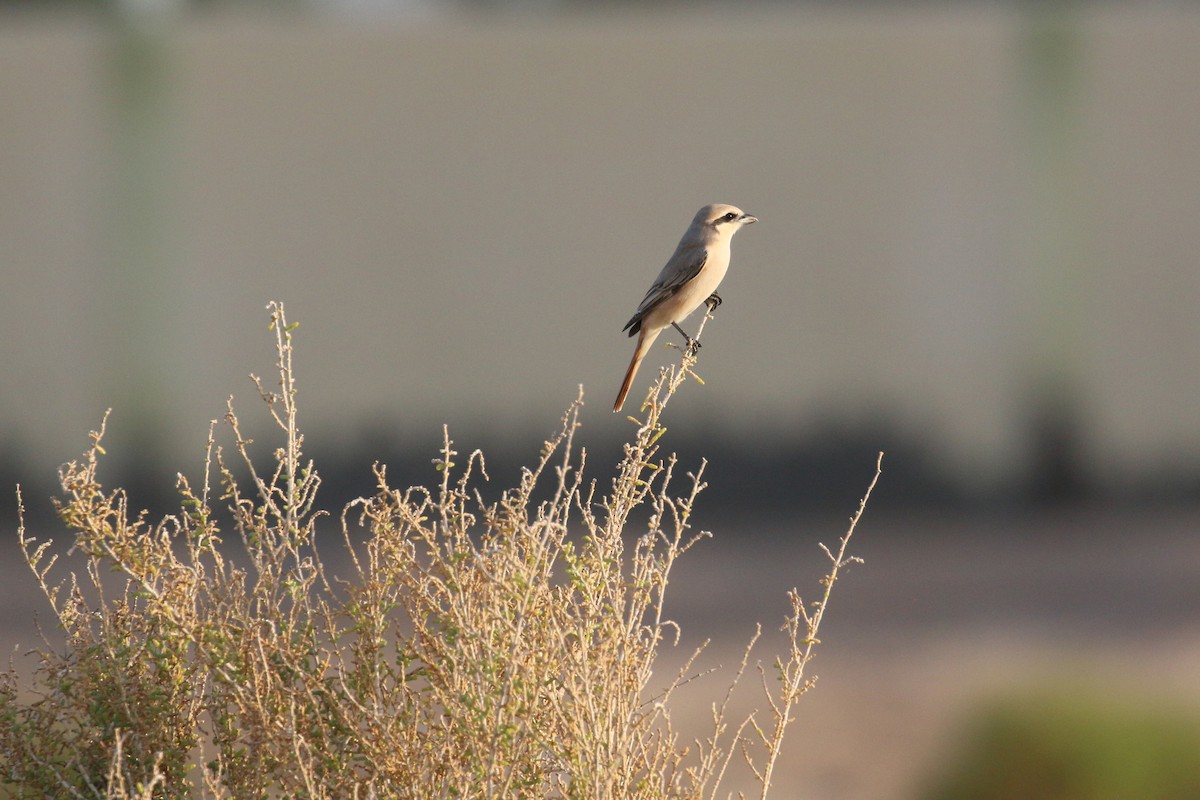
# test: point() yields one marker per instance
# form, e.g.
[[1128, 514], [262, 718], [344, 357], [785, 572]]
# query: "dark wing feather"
[[666, 285]]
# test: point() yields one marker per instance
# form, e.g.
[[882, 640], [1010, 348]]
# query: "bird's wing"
[[683, 267]]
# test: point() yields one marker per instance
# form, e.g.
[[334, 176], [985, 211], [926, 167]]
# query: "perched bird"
[[690, 278]]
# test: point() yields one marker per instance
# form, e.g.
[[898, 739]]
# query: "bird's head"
[[722, 218]]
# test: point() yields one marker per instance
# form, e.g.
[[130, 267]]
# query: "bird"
[[690, 278]]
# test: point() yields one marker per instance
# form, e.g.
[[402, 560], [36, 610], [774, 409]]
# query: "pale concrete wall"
[[463, 213]]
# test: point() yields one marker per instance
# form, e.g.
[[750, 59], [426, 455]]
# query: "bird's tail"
[[643, 345]]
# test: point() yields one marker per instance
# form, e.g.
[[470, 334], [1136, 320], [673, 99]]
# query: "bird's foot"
[[713, 301], [692, 344]]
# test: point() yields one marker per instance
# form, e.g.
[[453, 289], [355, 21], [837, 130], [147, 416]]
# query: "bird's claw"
[[692, 344], [713, 301]]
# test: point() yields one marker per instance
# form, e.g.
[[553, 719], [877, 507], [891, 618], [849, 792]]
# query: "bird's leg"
[[692, 344], [713, 301]]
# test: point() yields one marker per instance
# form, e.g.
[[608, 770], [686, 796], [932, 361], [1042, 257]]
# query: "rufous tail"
[[639, 353]]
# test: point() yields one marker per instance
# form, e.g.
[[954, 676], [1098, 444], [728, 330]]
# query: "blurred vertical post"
[[138, 281], [1051, 244]]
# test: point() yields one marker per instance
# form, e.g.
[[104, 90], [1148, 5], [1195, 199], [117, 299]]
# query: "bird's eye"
[[730, 216]]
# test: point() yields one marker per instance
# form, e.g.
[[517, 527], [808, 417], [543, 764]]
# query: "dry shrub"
[[476, 650]]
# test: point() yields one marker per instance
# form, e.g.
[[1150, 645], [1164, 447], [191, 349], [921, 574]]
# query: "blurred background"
[[976, 252]]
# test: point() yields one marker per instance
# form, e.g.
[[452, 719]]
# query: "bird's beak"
[[748, 219]]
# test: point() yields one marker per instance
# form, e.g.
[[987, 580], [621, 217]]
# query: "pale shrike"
[[690, 278]]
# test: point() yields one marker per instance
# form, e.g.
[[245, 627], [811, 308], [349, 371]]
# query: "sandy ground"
[[947, 613], [944, 613]]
